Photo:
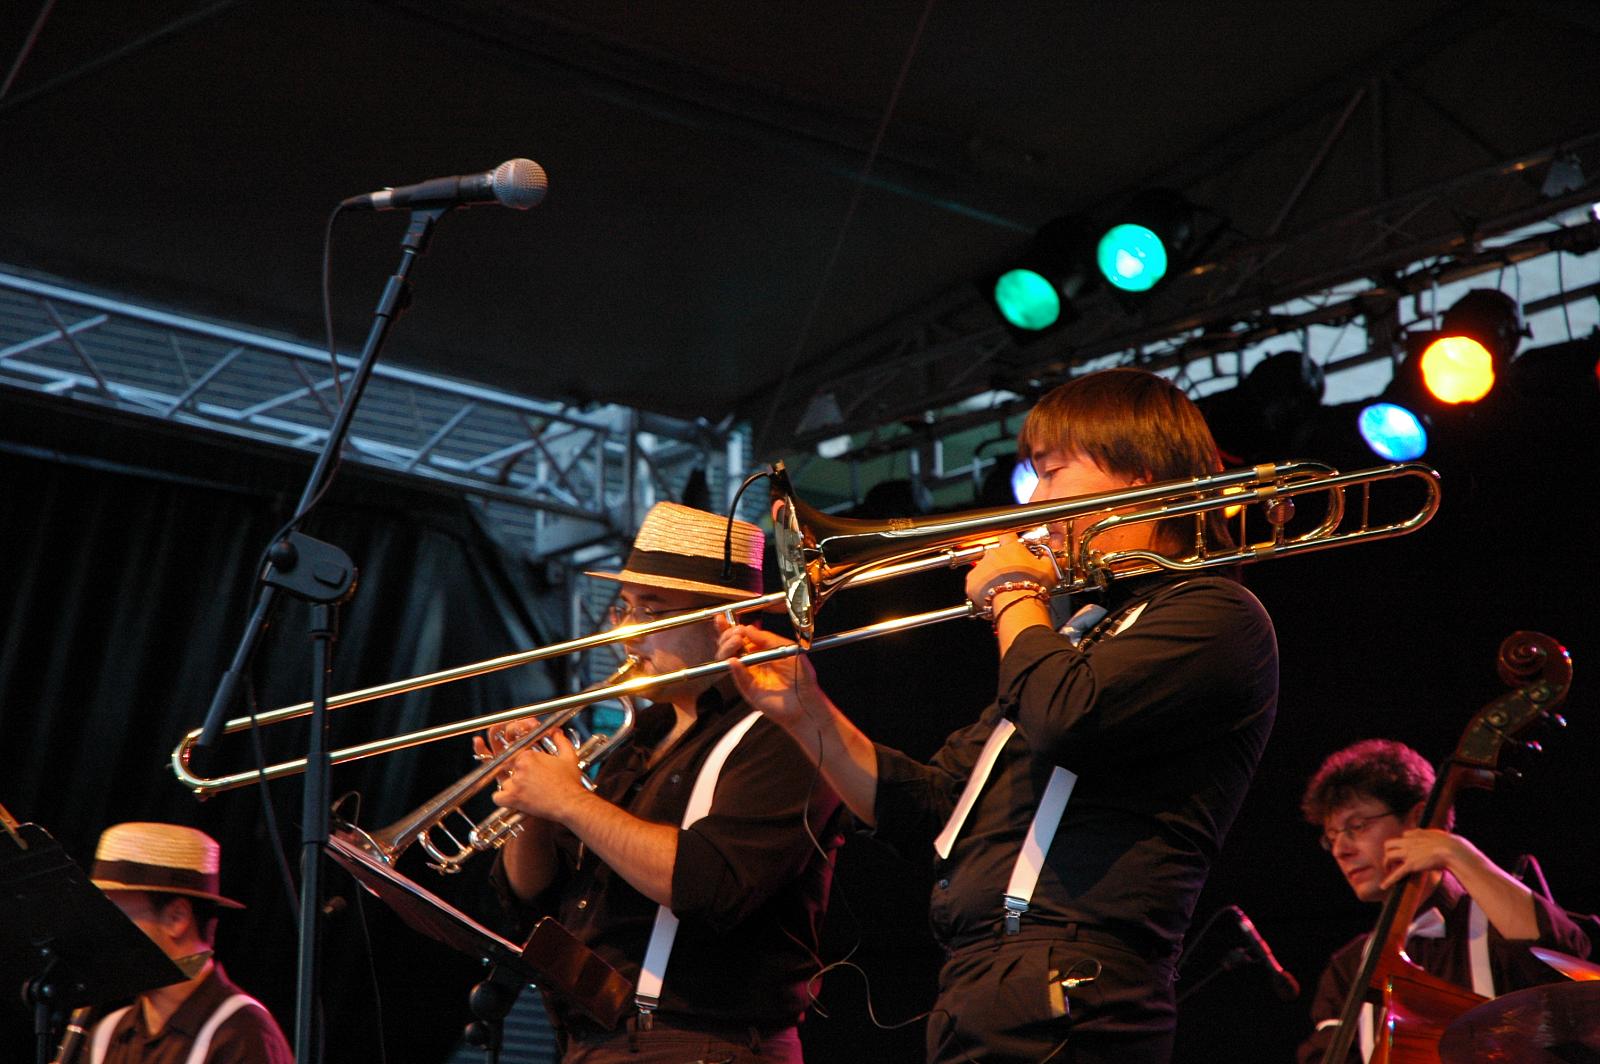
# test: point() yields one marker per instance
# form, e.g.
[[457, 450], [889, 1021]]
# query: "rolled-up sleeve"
[[751, 843], [1199, 659]]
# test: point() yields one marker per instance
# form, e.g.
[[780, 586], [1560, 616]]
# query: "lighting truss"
[[555, 480]]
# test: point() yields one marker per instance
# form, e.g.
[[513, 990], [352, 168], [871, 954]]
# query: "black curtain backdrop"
[[123, 594], [124, 585]]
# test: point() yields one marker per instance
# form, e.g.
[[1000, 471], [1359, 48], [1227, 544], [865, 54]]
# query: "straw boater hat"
[[165, 858], [681, 547]]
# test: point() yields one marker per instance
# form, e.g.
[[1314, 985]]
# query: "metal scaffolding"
[[555, 481]]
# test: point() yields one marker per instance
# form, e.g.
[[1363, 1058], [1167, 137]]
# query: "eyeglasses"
[[1355, 826], [622, 613]]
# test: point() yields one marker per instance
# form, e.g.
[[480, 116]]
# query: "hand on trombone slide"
[[785, 690]]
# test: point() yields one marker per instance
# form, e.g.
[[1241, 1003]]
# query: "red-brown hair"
[[1381, 769]]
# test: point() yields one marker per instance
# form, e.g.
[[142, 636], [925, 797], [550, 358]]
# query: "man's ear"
[[1413, 818], [177, 918]]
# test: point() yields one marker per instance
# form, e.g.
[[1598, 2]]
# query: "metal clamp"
[[1015, 907]]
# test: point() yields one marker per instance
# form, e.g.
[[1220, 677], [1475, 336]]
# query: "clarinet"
[[72, 1040]]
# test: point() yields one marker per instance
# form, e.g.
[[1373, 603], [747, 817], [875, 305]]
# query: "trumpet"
[[502, 825], [819, 555]]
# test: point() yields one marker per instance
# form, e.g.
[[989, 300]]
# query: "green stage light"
[[1131, 257], [1151, 236], [1027, 300], [1035, 290]]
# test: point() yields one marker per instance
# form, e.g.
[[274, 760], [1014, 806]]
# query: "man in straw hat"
[[700, 865], [1075, 822], [166, 878]]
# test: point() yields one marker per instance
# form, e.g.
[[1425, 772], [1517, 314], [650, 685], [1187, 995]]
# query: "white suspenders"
[[1052, 806], [1431, 925], [101, 1043], [656, 954]]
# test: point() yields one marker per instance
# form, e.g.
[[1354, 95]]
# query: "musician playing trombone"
[[1477, 921], [699, 867], [1075, 821]]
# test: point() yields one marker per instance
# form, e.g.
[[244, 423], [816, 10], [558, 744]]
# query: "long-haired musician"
[[700, 865], [1075, 822], [1477, 922]]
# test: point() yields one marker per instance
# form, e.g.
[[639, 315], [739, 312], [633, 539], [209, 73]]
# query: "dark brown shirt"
[[749, 885], [249, 1036]]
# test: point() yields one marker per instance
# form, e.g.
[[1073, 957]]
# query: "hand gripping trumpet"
[[819, 554], [501, 825]]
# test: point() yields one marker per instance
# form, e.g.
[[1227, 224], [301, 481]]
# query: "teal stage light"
[[1144, 242], [1131, 257], [1027, 299], [1036, 290]]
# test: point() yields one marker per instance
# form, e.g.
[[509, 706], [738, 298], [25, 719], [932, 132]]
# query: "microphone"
[[1284, 985], [518, 183]]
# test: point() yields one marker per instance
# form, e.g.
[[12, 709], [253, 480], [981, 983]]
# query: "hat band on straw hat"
[[741, 578], [137, 875]]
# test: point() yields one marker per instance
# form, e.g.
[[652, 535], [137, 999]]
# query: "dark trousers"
[[665, 1044], [1002, 1002]]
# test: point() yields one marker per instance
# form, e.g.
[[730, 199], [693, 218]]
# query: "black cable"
[[806, 325], [327, 302], [733, 510], [268, 814]]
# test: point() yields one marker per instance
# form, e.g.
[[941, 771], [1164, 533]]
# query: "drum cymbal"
[[1554, 1024], [1566, 964]]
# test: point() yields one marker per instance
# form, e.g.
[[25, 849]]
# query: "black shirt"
[[749, 884], [1447, 956], [1163, 722]]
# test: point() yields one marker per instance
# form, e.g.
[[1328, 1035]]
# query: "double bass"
[[1413, 1006]]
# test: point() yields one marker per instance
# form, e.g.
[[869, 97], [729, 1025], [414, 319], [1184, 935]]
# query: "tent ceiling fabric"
[[704, 158]]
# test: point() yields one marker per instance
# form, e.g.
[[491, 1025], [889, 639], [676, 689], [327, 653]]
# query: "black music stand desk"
[[63, 941], [551, 958]]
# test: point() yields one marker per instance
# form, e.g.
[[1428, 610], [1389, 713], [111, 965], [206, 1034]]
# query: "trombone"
[[819, 554]]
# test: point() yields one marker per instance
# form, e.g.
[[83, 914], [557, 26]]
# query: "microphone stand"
[[324, 576]]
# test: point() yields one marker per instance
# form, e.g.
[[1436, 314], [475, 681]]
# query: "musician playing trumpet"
[[1075, 821], [699, 867], [1477, 922]]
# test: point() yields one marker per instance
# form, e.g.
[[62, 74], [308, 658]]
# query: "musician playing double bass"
[[1478, 921]]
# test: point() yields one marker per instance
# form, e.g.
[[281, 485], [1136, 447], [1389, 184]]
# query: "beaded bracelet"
[[1013, 585], [994, 621]]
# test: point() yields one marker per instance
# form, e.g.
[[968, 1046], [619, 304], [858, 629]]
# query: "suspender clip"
[[1015, 907], [647, 1017]]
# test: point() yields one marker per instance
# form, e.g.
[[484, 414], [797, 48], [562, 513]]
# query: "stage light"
[[1394, 433], [1023, 481], [1027, 299], [1457, 369], [1477, 339], [1141, 244], [1270, 413], [1036, 292]]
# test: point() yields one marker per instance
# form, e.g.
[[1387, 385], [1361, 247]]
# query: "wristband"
[[995, 620], [1034, 586]]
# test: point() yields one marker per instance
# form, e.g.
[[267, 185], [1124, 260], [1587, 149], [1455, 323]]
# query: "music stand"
[[63, 941], [551, 957]]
